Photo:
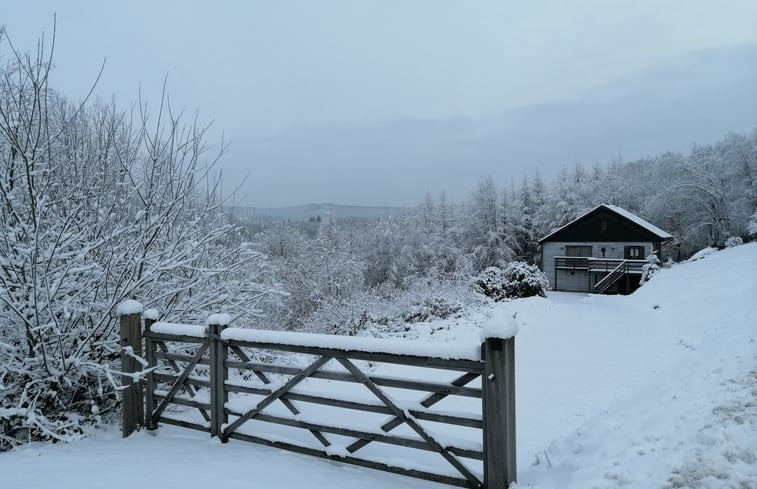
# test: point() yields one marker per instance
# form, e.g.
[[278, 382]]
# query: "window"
[[634, 253], [603, 226], [578, 251]]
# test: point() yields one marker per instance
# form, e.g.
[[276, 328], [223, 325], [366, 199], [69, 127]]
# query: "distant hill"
[[306, 212]]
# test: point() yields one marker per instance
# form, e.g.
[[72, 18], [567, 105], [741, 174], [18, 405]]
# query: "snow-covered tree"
[[484, 233], [98, 206]]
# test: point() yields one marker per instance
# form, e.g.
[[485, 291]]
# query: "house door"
[[633, 253]]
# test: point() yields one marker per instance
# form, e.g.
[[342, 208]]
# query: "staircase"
[[616, 274]]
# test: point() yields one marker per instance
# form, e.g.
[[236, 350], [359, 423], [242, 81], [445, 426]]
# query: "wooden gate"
[[232, 379]]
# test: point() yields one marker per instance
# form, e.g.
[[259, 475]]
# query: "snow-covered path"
[[658, 389]]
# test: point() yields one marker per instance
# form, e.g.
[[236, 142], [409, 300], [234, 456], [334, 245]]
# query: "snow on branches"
[[98, 206], [515, 280]]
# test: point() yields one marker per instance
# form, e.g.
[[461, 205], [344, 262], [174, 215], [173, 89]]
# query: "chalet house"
[[601, 251]]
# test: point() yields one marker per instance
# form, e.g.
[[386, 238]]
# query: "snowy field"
[[653, 390]]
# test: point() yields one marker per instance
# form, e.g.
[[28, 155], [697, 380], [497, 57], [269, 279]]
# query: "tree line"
[[703, 197]]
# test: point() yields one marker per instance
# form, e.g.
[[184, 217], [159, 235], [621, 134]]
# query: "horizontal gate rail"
[[177, 338], [163, 376], [464, 365], [360, 406], [365, 435], [419, 474], [184, 424], [180, 357], [383, 357], [395, 382], [183, 401], [189, 367]]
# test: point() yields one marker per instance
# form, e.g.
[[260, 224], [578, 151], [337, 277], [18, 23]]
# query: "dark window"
[[578, 251], [634, 253], [603, 226]]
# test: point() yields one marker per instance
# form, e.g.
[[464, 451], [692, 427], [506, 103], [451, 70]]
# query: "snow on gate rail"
[[364, 401]]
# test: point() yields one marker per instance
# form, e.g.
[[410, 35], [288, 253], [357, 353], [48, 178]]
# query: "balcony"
[[590, 264]]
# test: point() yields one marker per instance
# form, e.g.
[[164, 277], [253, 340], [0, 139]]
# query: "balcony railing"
[[596, 264], [572, 262]]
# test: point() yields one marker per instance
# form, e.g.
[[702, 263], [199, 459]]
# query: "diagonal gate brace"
[[286, 402], [273, 396], [180, 381], [410, 421], [187, 387], [427, 402]]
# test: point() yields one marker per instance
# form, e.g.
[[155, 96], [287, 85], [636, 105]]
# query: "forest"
[[334, 274], [100, 204]]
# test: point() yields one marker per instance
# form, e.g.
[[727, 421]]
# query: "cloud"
[[696, 98]]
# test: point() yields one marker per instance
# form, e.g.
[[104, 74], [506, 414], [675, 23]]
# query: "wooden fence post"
[[498, 386], [151, 317], [132, 398], [218, 376]]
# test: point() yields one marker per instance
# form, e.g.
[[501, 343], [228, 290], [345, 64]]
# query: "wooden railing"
[[592, 264], [572, 262], [607, 265], [613, 276], [232, 379]]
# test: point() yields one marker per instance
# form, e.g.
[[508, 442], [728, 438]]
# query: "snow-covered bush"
[[524, 280], [517, 279], [435, 307], [491, 283], [752, 226], [649, 268], [733, 241]]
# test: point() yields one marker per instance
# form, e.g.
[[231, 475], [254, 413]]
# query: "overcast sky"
[[365, 102]]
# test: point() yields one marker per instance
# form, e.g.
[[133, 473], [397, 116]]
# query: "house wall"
[[578, 280]]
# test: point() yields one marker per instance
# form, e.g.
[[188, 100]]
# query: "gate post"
[[151, 317], [132, 397], [498, 385], [218, 374]]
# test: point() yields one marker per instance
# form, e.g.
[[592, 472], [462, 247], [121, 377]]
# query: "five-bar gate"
[[239, 381]]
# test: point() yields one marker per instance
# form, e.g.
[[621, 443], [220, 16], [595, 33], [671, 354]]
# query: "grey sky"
[[360, 101]]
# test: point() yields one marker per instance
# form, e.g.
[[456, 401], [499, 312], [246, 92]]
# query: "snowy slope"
[[689, 419], [653, 390]]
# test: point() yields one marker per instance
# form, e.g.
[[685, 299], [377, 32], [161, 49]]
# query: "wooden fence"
[[189, 366]]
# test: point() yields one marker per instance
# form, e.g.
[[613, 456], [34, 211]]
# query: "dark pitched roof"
[[633, 218]]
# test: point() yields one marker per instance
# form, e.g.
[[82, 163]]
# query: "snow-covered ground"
[[653, 390]]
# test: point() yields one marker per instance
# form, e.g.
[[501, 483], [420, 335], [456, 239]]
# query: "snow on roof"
[[641, 222], [622, 212]]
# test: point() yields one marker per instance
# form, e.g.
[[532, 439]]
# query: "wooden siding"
[[603, 225]]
